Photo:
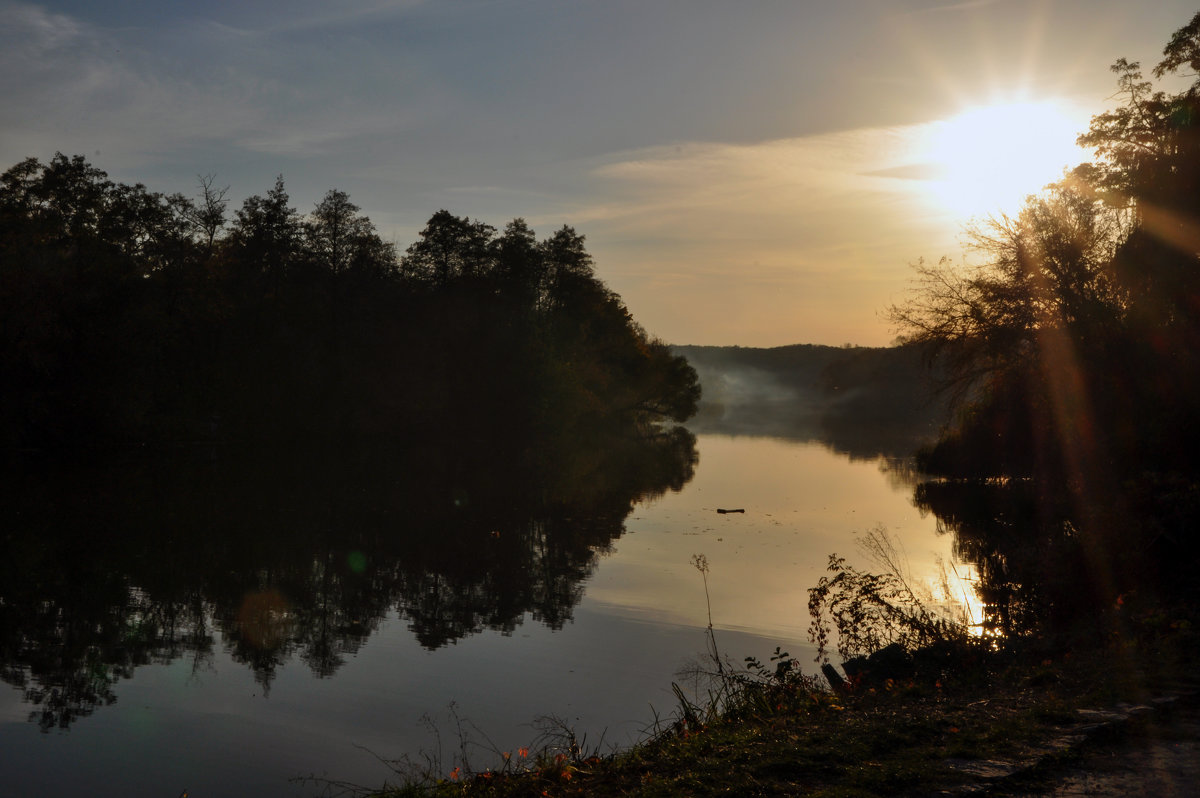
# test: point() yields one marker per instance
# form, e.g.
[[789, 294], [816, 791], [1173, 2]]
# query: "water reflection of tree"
[[1024, 546], [105, 567]]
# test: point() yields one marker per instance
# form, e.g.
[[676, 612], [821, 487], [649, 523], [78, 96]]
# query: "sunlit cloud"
[[815, 219], [807, 193], [740, 231]]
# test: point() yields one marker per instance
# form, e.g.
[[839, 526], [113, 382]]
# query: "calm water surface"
[[205, 718]]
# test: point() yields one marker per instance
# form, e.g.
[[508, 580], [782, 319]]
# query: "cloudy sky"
[[754, 173]]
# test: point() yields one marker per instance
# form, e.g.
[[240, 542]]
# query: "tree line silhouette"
[[128, 315]]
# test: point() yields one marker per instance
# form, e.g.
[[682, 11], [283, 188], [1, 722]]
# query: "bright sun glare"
[[988, 159]]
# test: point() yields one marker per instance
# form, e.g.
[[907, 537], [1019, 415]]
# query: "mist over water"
[[862, 402]]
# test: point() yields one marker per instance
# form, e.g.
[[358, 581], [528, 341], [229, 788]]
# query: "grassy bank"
[[966, 712]]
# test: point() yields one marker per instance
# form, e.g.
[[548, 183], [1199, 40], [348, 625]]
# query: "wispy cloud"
[[804, 221], [965, 5], [32, 30], [323, 15], [764, 195], [74, 86]]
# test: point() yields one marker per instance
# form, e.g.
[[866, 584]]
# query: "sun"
[[987, 159]]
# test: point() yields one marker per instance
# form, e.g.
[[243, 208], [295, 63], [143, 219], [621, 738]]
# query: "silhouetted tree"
[[208, 217], [340, 239], [568, 264], [267, 232], [449, 247], [521, 269], [1047, 269]]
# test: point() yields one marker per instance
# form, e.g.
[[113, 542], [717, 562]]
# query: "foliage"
[[1046, 269], [1023, 336], [872, 611], [720, 693]]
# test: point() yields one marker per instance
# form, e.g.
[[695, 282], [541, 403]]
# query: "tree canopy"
[[1074, 332]]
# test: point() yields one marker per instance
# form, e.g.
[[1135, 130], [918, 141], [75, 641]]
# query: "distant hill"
[[862, 401]]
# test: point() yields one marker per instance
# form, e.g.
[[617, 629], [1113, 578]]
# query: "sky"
[[750, 173]]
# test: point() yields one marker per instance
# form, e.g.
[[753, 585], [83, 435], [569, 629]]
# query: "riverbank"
[[1021, 720]]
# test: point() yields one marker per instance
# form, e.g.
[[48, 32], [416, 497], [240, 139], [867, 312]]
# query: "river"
[[169, 683]]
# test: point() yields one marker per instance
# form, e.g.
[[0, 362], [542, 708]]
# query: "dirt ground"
[[1154, 755]]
